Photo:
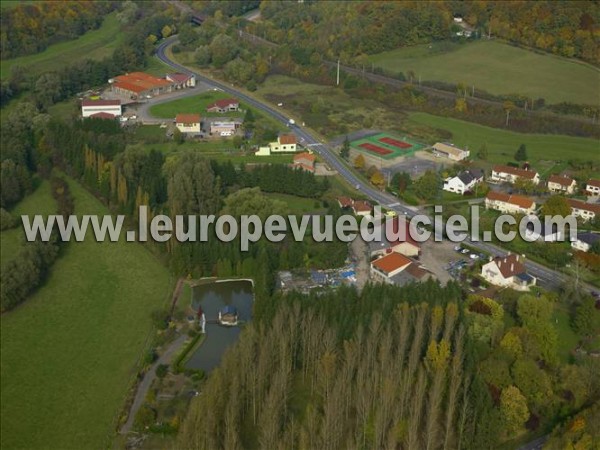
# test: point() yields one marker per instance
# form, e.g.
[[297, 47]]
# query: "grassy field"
[[497, 68], [502, 144], [193, 104], [95, 44], [299, 205], [69, 352], [39, 202]]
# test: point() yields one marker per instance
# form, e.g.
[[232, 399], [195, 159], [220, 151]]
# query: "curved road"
[[547, 278]]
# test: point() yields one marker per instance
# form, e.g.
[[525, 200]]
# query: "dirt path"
[[360, 251], [149, 377]]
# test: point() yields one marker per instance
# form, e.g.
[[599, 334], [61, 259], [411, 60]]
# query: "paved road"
[[548, 278], [149, 377]]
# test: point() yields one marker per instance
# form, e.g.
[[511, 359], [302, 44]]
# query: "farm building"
[[463, 182], [141, 85], [188, 123], [508, 272], [224, 128], [182, 80], [592, 187], [305, 161], [561, 183], [511, 204], [450, 151], [91, 107], [285, 143], [508, 174], [223, 106]]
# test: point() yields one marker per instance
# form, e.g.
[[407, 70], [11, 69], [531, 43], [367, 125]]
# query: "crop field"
[[497, 68], [95, 44], [69, 352], [502, 144], [387, 146]]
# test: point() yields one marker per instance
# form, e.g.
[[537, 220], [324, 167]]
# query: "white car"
[[464, 251], [474, 256]]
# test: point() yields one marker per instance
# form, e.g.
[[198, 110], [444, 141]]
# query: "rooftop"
[[529, 174], [391, 262], [223, 103], [179, 77], [100, 102], [139, 82], [588, 237], [509, 265], [579, 204], [561, 179], [305, 155], [448, 148], [187, 118], [592, 182], [287, 139], [518, 200]]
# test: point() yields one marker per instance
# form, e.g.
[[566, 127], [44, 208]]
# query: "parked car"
[[474, 256], [465, 251]]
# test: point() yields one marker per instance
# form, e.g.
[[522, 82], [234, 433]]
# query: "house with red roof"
[[592, 188], [182, 80], [188, 123], [508, 174], [561, 184], [511, 204], [286, 143], [138, 85], [305, 161], [584, 210], [90, 107], [397, 269], [508, 271], [223, 106]]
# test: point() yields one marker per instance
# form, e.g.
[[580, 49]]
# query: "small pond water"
[[213, 297]]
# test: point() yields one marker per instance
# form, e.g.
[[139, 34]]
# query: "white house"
[[507, 272], [583, 210], [511, 204], [286, 143], [223, 106], [450, 151], [561, 184], [91, 107], [592, 187], [464, 181], [585, 241], [188, 123], [224, 128], [508, 174], [182, 80]]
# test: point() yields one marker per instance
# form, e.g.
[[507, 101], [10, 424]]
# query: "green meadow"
[[70, 351]]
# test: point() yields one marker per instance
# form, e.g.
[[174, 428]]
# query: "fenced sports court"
[[387, 145]]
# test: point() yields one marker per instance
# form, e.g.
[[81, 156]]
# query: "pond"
[[213, 297]]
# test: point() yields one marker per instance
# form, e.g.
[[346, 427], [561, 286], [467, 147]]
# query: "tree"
[[587, 318], [508, 107], [178, 136], [513, 406], [556, 205], [162, 370], [359, 162], [202, 55], [166, 31], [427, 186], [378, 179], [223, 49], [460, 105], [483, 152], [345, 151], [521, 154], [401, 181]]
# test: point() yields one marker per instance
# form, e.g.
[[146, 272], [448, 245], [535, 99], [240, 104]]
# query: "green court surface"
[[387, 146]]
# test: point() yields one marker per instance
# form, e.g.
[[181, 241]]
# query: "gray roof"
[[469, 175], [588, 238]]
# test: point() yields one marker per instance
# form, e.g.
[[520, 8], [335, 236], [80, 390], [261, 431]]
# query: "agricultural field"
[[69, 352], [502, 144], [95, 44], [38, 202], [497, 68], [193, 104]]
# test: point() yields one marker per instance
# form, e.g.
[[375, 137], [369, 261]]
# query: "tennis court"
[[387, 145]]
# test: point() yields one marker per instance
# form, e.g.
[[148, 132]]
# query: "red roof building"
[[223, 105], [139, 84], [389, 265], [102, 115], [305, 161]]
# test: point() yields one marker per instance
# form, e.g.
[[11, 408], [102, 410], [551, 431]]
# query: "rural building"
[[450, 151], [508, 174], [592, 187], [561, 184], [188, 123], [397, 240], [224, 128], [141, 85], [362, 208], [305, 161], [91, 107], [583, 210], [345, 202], [285, 143], [511, 204], [507, 272], [387, 266], [223, 106], [182, 80], [463, 182], [585, 241]]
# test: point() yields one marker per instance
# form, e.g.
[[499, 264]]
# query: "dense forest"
[[36, 25], [352, 28]]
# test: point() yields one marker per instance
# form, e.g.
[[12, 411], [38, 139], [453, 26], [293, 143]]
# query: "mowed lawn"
[[502, 144], [69, 351], [193, 104], [95, 44], [39, 201], [497, 68]]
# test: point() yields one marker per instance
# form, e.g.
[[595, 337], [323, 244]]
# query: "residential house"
[[223, 106], [583, 210], [508, 271], [345, 202], [305, 161], [286, 143], [188, 123], [511, 204], [362, 208], [463, 182], [561, 184], [138, 85], [182, 80], [91, 107], [585, 241], [224, 128], [592, 187], [508, 174], [450, 151], [545, 233]]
